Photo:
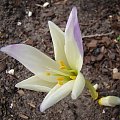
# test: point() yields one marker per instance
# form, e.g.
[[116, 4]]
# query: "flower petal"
[[73, 42], [58, 42], [47, 77], [78, 87], [52, 91], [30, 57], [56, 96], [109, 101], [36, 84]]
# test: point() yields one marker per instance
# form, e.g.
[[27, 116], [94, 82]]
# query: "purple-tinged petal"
[[78, 38], [73, 42], [73, 26], [30, 57]]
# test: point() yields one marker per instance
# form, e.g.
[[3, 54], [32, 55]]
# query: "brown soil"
[[101, 56]]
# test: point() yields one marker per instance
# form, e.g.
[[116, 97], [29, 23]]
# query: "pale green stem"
[[92, 90]]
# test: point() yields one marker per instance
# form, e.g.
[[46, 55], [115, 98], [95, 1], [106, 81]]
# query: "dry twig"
[[98, 35]]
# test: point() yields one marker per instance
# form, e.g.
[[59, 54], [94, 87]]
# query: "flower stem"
[[92, 90]]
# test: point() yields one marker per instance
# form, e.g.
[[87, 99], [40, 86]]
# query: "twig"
[[98, 35], [4, 58]]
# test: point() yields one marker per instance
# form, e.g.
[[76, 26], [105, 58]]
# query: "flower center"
[[68, 75], [64, 74]]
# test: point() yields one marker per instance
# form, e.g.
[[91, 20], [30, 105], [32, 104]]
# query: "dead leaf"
[[116, 75], [99, 57], [23, 116], [92, 44], [31, 104], [21, 92], [105, 40]]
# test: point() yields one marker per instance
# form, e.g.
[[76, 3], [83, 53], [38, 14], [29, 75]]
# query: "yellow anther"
[[73, 77], [100, 101], [60, 78], [62, 65], [48, 73], [60, 82]]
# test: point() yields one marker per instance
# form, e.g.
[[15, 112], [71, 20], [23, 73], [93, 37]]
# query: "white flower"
[[109, 101], [58, 77]]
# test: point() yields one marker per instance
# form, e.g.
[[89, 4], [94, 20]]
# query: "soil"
[[102, 55]]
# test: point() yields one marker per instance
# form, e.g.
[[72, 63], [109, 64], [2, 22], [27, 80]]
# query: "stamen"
[[62, 65], [73, 71], [73, 77], [60, 80]]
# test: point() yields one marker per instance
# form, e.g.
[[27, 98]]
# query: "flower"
[[109, 101], [58, 77]]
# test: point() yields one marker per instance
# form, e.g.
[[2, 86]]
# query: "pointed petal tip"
[[73, 33], [42, 109], [74, 9], [3, 49], [7, 48], [17, 85], [50, 23], [20, 84], [73, 96]]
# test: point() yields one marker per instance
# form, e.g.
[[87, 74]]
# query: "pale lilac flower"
[[58, 77]]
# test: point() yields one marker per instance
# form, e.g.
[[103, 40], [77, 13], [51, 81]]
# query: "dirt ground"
[[102, 55]]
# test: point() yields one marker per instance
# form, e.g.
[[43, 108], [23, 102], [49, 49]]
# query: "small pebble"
[[115, 70], [19, 23], [45, 4], [29, 14], [11, 72], [103, 111], [95, 86], [11, 105]]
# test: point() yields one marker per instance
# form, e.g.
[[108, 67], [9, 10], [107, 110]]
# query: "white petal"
[[30, 57], [73, 42], [36, 84], [49, 78], [58, 42], [109, 101], [56, 96], [52, 91], [78, 87]]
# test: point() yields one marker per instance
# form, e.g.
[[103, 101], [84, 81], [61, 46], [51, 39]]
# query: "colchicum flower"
[[109, 101], [58, 77]]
